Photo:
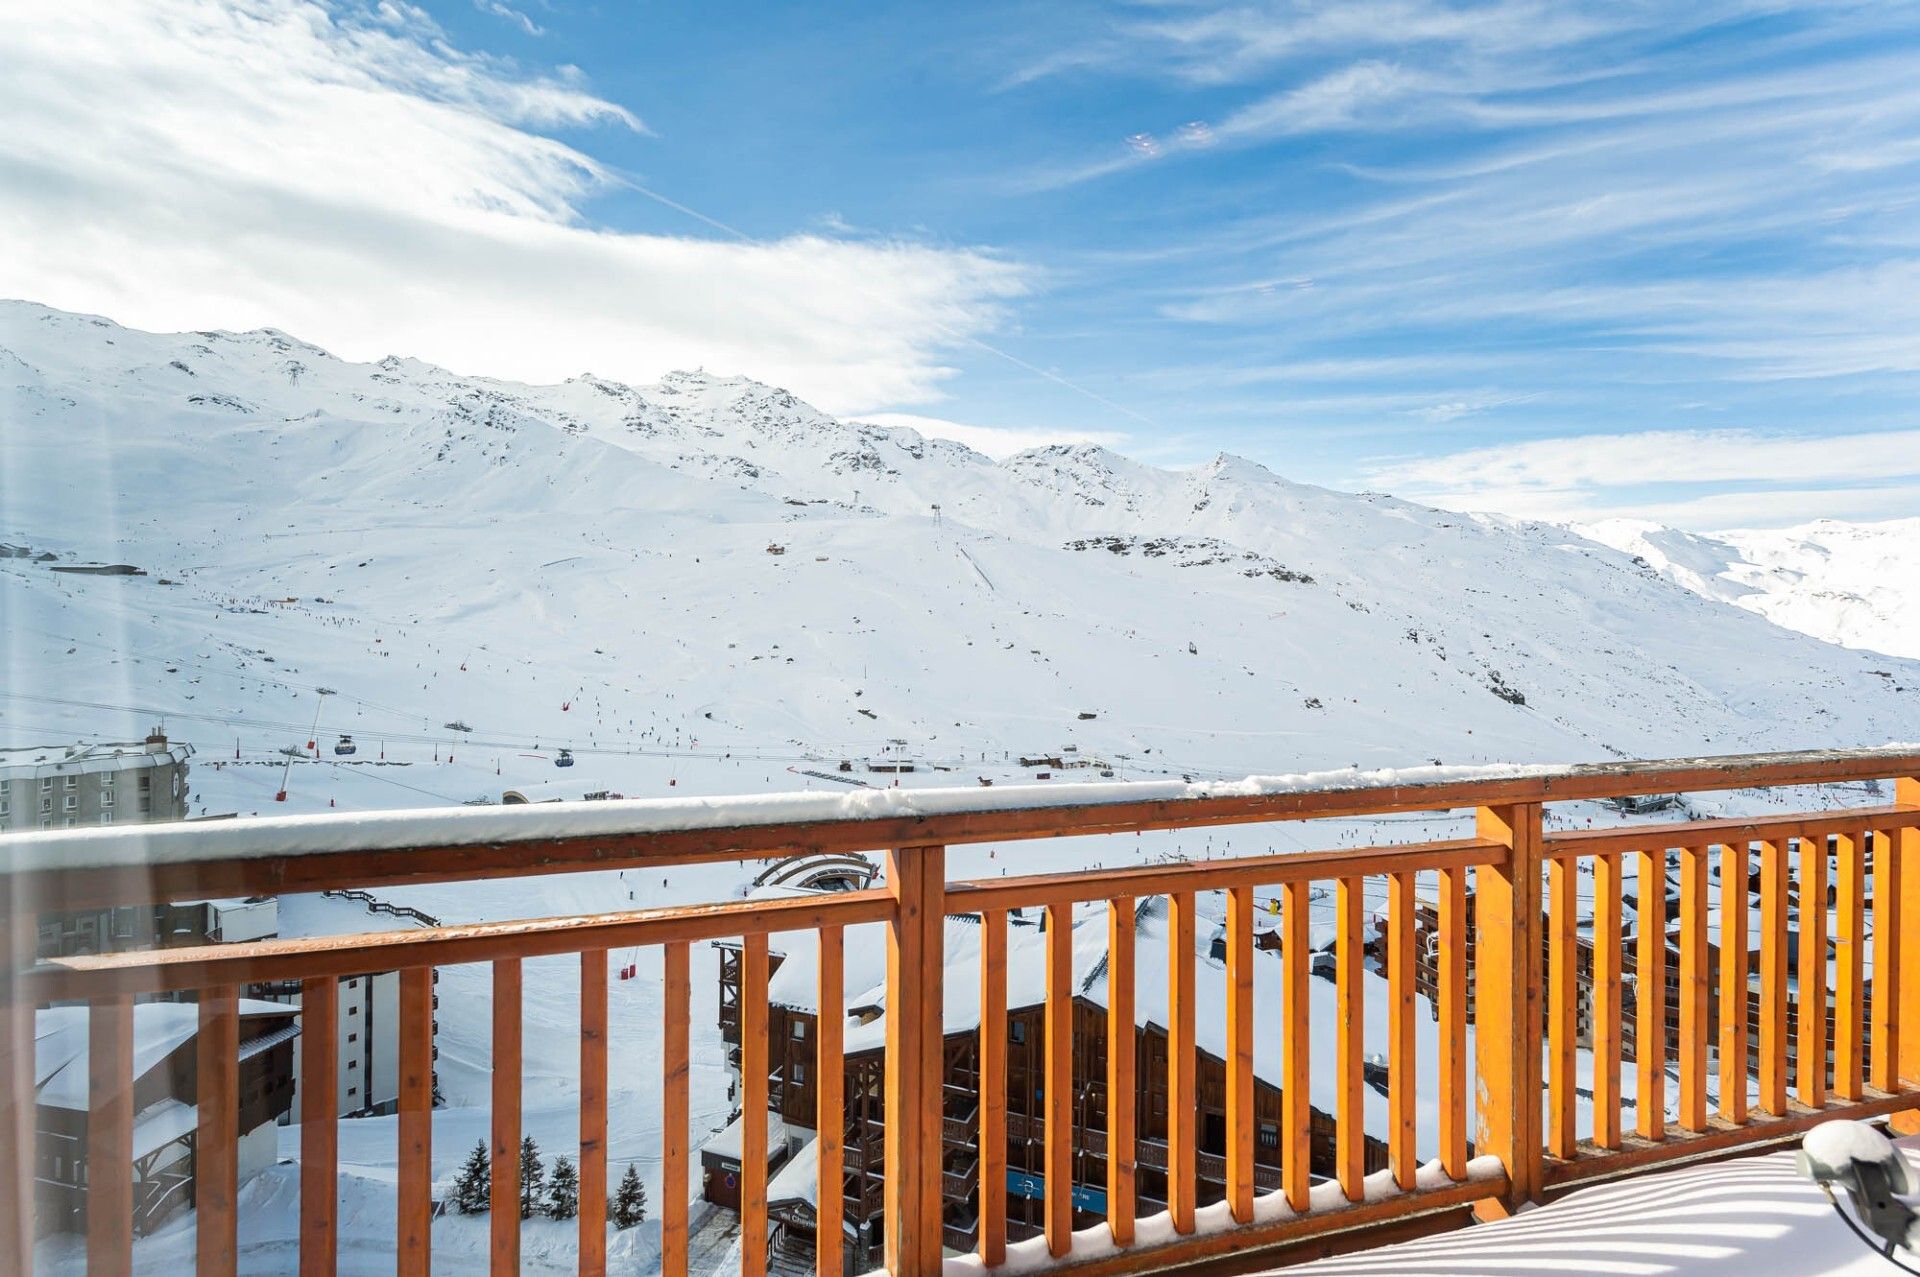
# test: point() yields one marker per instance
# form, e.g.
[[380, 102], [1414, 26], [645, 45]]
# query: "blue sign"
[[1034, 1187]]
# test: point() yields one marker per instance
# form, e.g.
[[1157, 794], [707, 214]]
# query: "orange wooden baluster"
[[504, 1190], [110, 1136], [1121, 1090], [753, 1105], [993, 1087], [1403, 1064], [1453, 1022], [675, 988], [319, 1125], [1607, 930], [1296, 1094], [1563, 1003], [216, 1149], [593, 1113], [1182, 1059], [1239, 1061], [830, 1067], [1350, 1134], [1650, 998]]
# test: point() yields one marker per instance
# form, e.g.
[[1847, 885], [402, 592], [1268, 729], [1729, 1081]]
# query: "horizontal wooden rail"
[[289, 854], [173, 970], [1220, 875], [1700, 833]]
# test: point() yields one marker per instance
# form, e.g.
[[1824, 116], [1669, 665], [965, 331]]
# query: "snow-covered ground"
[[467, 575], [1849, 583]]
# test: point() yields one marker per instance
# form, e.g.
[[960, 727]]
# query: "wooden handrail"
[[290, 854]]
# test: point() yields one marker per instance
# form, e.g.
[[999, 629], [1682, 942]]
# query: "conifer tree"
[[563, 1190], [532, 1178], [474, 1182], [628, 1209]]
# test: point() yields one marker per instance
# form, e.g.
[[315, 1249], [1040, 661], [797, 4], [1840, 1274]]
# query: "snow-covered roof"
[[60, 1043], [85, 758], [159, 1125], [799, 1179], [727, 1143], [561, 789]]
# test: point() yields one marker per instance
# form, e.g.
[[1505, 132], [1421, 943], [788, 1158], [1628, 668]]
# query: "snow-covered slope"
[[589, 564], [1848, 583]]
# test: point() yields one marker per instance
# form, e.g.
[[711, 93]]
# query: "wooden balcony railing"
[[1520, 1119]]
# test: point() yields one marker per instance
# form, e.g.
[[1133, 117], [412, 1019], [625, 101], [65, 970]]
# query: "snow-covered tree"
[[532, 1178], [628, 1209], [474, 1182], [563, 1190]]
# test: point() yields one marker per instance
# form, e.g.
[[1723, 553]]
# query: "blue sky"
[[1559, 260]]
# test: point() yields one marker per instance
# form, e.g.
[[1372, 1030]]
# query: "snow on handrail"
[[137, 846]]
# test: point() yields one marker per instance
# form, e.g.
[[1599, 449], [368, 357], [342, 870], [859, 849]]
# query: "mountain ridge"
[[712, 560]]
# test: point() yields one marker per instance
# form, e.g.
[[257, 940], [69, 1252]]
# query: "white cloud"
[[994, 441], [346, 175], [519, 19], [1696, 479]]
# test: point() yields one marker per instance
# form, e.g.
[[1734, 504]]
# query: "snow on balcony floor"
[[1742, 1218]]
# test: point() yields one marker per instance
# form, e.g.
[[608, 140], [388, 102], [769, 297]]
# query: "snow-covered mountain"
[[1848, 583], [631, 570]]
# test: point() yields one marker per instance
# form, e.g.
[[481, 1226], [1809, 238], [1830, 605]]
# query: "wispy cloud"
[[510, 14], [344, 172]]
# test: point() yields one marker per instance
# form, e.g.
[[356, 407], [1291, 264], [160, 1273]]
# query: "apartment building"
[[88, 785]]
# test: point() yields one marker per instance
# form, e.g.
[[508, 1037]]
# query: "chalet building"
[[793, 1193], [1427, 949], [85, 786], [165, 1119]]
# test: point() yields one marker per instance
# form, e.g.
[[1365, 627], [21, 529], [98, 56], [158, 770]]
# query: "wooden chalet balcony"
[[1520, 1124]]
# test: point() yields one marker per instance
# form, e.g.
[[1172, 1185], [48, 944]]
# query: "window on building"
[[5, 807], [145, 782], [73, 780], [145, 807], [106, 798], [72, 821], [46, 802], [353, 1037], [46, 822], [46, 783], [799, 1030], [70, 803], [353, 1010], [106, 818], [1269, 1135], [1017, 1031], [353, 1064]]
